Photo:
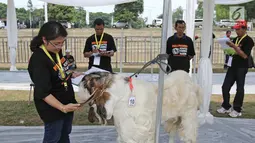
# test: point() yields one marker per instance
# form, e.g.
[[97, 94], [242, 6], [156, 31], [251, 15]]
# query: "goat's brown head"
[[95, 85]]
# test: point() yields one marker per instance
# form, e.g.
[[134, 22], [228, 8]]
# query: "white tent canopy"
[[229, 2], [87, 3], [205, 67]]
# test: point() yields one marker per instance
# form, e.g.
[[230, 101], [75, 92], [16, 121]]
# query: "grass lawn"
[[15, 110]]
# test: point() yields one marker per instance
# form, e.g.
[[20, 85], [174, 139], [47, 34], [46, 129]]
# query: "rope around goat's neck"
[[156, 60]]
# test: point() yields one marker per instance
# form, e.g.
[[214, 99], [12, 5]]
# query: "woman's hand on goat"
[[70, 107], [76, 74]]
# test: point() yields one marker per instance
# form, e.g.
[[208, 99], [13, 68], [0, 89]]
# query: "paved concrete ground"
[[222, 131], [23, 77], [20, 81]]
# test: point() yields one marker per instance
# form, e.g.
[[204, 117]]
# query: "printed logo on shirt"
[[64, 65], [180, 50], [103, 46]]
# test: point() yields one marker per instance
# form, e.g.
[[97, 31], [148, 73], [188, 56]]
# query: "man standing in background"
[[180, 48], [242, 46], [228, 34], [100, 47]]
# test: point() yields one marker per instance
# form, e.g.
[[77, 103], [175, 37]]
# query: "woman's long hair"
[[50, 30]]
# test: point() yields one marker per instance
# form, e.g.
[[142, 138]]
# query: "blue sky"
[[152, 8]]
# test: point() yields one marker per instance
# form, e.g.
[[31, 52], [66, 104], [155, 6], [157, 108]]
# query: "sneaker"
[[235, 114], [223, 110]]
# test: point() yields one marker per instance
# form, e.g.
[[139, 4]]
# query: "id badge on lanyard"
[[237, 43], [59, 66], [98, 44]]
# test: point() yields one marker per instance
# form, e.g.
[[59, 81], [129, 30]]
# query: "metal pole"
[[151, 54], [122, 45], [164, 35], [45, 12]]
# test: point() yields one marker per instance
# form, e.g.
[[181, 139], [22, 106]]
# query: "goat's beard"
[[97, 114]]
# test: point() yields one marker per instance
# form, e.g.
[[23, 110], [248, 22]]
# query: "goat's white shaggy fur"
[[181, 100]]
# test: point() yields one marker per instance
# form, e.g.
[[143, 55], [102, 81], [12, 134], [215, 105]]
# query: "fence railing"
[[135, 50]]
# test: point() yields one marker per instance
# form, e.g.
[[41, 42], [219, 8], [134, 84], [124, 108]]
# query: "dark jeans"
[[58, 131], [234, 75]]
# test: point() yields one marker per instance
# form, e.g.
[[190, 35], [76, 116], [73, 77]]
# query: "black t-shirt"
[[107, 44], [179, 50], [46, 77], [246, 46]]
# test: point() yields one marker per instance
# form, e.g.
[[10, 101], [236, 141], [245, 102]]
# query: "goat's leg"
[[171, 137], [188, 129]]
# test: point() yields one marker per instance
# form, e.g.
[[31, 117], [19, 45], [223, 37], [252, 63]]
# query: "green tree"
[[38, 17], [160, 16], [80, 17], [178, 14], [139, 23], [30, 5], [222, 12], [60, 12], [22, 14], [199, 11], [128, 11], [107, 17], [3, 10], [250, 12], [30, 9]]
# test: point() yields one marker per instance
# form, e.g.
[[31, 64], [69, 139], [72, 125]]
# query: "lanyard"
[[99, 43], [59, 65], [238, 42]]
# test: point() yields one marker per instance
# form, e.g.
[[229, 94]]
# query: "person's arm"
[[87, 52], [111, 48], [52, 101], [191, 50], [169, 47], [247, 48]]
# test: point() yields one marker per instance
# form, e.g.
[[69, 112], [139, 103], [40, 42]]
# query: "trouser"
[[226, 61], [234, 75], [58, 131]]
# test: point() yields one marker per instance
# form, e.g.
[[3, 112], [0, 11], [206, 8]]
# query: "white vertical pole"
[[184, 15], [190, 20], [151, 53], [205, 65], [87, 18], [167, 9], [46, 12], [12, 33], [121, 48], [112, 20]]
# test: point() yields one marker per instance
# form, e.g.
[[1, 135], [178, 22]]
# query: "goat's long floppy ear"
[[83, 93], [102, 100]]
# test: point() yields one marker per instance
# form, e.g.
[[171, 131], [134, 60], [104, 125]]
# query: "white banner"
[[236, 13]]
